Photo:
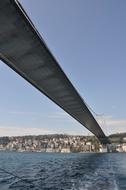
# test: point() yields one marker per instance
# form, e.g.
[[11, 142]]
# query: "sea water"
[[61, 171]]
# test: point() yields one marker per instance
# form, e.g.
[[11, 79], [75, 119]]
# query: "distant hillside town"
[[61, 143]]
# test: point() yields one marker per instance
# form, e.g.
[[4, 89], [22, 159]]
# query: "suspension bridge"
[[23, 49]]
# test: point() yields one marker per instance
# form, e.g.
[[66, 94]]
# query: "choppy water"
[[51, 171]]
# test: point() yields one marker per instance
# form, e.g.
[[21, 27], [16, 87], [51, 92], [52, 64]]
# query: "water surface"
[[55, 171]]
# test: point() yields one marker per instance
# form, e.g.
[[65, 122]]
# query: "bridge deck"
[[24, 50]]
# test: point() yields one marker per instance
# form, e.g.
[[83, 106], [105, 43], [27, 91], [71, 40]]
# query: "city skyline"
[[90, 49]]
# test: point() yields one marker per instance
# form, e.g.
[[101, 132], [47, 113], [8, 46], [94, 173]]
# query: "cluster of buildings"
[[118, 143], [62, 143], [50, 143]]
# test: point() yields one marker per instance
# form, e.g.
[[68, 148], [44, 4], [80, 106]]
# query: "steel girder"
[[23, 49]]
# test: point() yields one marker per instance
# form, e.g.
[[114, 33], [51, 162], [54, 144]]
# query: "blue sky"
[[88, 38]]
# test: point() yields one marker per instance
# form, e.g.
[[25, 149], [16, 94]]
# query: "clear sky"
[[88, 38]]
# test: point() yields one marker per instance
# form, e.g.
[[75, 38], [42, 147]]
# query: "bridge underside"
[[23, 49]]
